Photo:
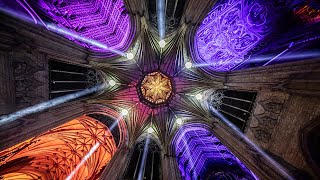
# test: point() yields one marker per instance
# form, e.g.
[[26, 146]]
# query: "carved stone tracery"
[[31, 77], [267, 116]]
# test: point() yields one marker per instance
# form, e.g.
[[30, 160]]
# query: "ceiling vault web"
[[149, 57]]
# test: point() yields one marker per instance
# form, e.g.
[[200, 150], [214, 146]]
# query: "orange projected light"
[[56, 153], [156, 87]]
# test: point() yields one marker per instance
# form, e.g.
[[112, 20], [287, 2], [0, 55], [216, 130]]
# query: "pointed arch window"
[[150, 167], [68, 78], [236, 106]]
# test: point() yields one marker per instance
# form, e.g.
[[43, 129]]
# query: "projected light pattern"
[[201, 155], [156, 87], [49, 104], [230, 30], [78, 149], [104, 21]]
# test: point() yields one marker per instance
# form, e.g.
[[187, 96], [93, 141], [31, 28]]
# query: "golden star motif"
[[156, 87]]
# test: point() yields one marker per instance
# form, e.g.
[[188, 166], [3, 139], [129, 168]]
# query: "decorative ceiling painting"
[[103, 21], [156, 88], [232, 29], [61, 153], [201, 155]]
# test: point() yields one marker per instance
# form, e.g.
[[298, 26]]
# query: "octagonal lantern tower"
[[155, 89]]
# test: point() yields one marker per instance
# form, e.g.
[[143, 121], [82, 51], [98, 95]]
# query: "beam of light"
[[189, 155], [86, 157], [161, 18], [18, 15], [276, 57], [291, 56], [76, 36], [210, 64], [27, 9], [114, 124], [279, 167], [64, 32], [269, 59], [144, 159], [48, 104], [266, 58], [31, 9]]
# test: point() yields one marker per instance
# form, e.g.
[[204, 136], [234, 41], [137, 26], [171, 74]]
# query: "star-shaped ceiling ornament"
[[156, 88]]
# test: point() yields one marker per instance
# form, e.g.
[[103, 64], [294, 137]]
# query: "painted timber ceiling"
[[61, 152]]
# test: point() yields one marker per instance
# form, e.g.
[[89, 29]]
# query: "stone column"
[[170, 168], [295, 77], [247, 154], [117, 166], [7, 88]]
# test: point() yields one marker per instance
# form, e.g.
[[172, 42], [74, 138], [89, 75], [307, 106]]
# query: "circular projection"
[[78, 149], [155, 88]]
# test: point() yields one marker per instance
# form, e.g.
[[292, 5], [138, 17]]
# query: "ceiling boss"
[[156, 88]]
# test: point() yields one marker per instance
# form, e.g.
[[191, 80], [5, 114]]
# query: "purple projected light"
[[104, 21], [229, 31], [201, 155]]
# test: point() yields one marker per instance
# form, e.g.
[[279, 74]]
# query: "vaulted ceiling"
[[60, 153], [217, 38]]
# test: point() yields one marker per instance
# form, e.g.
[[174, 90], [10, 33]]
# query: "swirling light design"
[[201, 155], [57, 153], [230, 30]]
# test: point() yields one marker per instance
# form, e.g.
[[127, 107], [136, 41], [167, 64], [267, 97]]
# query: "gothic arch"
[[151, 166], [115, 116]]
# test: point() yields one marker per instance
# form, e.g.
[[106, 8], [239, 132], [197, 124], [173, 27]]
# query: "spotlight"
[[150, 130], [188, 65], [130, 56], [162, 43], [124, 112], [199, 96], [179, 121], [112, 82]]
